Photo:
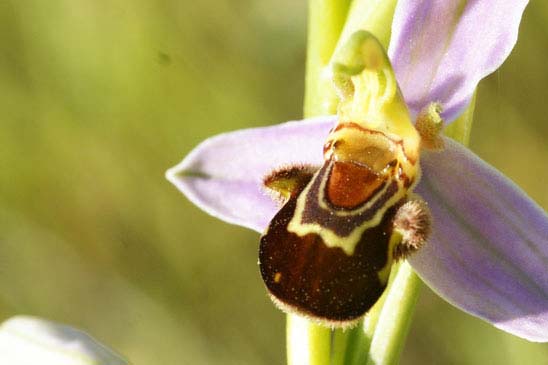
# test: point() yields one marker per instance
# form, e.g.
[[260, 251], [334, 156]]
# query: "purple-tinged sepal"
[[440, 50], [224, 174], [488, 253]]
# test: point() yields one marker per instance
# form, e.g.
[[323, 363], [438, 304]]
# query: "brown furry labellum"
[[327, 253]]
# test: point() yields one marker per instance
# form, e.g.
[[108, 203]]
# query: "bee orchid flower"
[[487, 253]]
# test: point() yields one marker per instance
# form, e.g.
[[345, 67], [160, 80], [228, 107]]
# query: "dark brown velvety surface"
[[305, 274]]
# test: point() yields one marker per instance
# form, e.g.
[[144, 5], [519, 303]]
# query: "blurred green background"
[[98, 98]]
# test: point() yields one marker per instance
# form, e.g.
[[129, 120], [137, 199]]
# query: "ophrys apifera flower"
[[487, 253]]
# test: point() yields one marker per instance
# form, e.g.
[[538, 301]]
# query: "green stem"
[[325, 23], [374, 16], [307, 343], [395, 317]]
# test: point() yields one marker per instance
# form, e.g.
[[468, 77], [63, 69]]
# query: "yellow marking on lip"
[[384, 273], [330, 238], [277, 277]]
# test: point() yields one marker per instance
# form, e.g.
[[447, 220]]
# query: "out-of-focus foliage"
[[98, 98]]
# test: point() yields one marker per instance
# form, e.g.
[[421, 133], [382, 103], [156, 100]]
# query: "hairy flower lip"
[[506, 285]]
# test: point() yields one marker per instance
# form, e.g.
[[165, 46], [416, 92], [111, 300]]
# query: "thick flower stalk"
[[488, 250]]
